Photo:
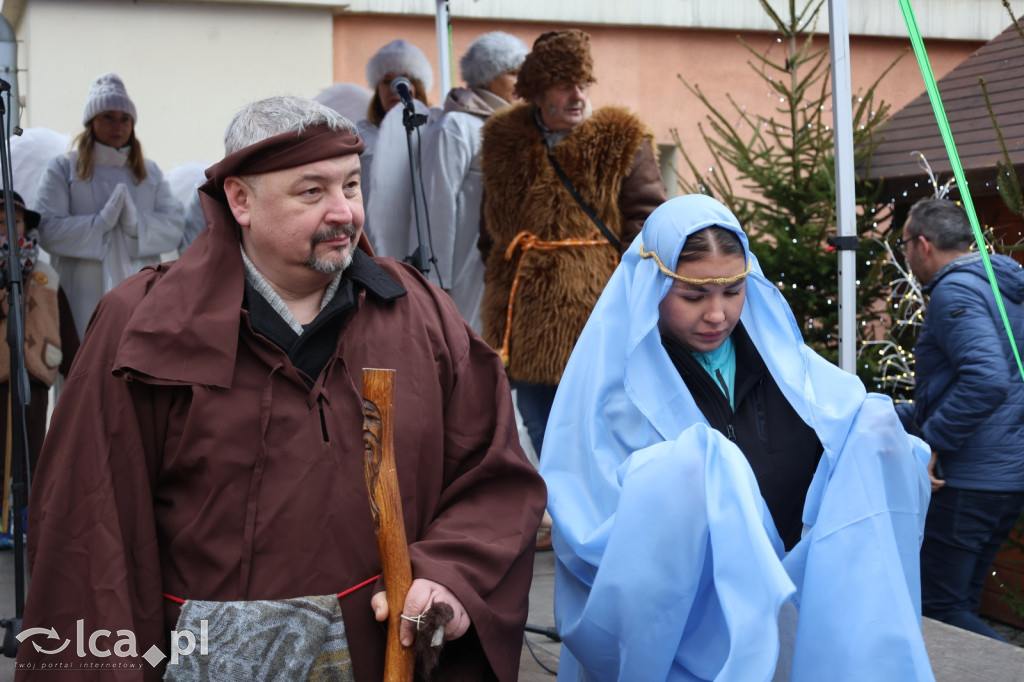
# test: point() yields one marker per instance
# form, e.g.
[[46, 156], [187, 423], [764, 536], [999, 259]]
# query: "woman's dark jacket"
[[782, 449]]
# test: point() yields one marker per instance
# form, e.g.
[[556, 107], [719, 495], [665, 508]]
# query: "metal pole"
[[443, 57], [9, 72], [846, 199]]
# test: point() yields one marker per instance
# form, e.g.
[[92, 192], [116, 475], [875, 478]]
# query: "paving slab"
[[956, 655], [961, 656]]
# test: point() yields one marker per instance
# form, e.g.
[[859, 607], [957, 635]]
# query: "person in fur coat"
[[547, 260]]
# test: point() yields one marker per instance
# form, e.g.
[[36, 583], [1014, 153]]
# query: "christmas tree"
[[776, 173]]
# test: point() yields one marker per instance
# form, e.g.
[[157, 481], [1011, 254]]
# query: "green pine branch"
[[776, 173]]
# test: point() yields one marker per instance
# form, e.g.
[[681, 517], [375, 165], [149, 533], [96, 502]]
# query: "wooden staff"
[[386, 507]]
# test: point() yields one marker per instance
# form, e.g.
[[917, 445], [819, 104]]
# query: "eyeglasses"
[[906, 242]]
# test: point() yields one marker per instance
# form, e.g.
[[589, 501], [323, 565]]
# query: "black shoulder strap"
[[616, 244]]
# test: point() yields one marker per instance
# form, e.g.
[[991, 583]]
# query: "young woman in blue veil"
[[727, 504]]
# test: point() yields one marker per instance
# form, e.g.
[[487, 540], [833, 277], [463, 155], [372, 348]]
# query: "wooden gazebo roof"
[[913, 129]]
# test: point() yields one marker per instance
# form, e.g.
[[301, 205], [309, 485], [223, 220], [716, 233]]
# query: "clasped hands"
[[120, 208]]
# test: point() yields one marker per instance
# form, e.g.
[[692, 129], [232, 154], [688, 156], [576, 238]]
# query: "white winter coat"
[[390, 221], [91, 255], [453, 183]]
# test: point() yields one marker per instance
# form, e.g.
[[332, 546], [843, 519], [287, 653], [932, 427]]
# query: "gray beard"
[[328, 267], [318, 264]]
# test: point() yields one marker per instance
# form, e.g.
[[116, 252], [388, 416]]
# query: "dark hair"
[[943, 223], [710, 240]]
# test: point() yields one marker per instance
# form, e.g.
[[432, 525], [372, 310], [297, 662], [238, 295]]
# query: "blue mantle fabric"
[[668, 564]]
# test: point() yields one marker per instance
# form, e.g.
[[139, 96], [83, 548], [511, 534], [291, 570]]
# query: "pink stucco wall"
[[639, 67]]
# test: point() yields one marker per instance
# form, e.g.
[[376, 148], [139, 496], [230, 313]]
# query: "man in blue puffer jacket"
[[969, 407]]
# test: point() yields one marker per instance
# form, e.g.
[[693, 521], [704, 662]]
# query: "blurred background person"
[[106, 210], [453, 179], [50, 337], [968, 406], [397, 58]]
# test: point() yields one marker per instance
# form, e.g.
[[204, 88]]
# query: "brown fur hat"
[[557, 57]]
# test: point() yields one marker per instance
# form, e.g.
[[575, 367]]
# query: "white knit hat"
[[491, 55], [402, 58], [107, 93]]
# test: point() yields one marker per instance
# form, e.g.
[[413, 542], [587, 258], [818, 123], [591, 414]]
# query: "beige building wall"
[[949, 19], [641, 67], [190, 64], [187, 66]]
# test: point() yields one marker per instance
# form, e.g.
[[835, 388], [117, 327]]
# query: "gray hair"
[[257, 121], [942, 222]]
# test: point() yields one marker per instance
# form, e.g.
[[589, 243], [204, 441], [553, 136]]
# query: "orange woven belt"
[[527, 241]]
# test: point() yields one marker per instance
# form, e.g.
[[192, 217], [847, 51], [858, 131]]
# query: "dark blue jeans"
[[534, 403], [962, 534]]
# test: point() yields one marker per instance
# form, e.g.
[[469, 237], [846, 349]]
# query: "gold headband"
[[689, 280]]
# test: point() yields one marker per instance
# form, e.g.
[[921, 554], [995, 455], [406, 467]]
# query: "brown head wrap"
[[557, 57], [287, 150]]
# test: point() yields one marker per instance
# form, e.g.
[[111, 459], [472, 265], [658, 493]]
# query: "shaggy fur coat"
[[611, 162]]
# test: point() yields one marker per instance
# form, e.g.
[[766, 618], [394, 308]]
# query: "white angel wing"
[[348, 99], [184, 179], [30, 152]]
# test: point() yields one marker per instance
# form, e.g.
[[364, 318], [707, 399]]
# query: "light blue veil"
[[668, 564]]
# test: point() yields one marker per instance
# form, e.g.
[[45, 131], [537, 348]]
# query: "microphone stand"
[[19, 396], [419, 258]]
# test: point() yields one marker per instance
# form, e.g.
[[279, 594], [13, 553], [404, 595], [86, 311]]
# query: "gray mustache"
[[323, 235]]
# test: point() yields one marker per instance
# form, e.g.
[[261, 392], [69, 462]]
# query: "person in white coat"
[[106, 210], [397, 58], [453, 180]]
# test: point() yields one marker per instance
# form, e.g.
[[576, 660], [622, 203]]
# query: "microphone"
[[403, 88]]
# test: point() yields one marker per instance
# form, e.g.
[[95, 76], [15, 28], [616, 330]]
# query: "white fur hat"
[[107, 93], [399, 57], [491, 55]]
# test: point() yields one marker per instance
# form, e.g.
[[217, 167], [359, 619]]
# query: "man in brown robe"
[[208, 443]]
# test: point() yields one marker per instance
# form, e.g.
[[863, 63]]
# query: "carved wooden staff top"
[[386, 507]]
